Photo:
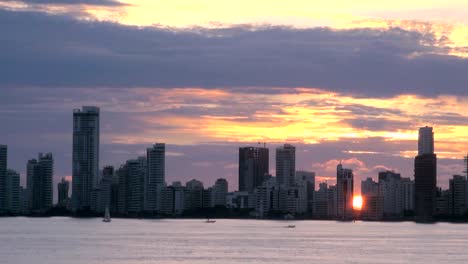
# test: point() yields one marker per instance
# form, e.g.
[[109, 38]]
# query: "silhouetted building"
[[13, 205], [458, 189], [85, 155], [3, 178], [131, 186], [63, 188], [425, 180], [344, 192], [40, 182], [155, 175], [372, 205], [306, 179], [321, 201], [253, 166], [195, 195], [286, 165], [219, 192]]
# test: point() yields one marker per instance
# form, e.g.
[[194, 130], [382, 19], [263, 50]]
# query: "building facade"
[[253, 166], [286, 165], [85, 168]]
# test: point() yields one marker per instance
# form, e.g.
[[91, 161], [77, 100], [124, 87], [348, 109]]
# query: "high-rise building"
[[372, 206], [286, 165], [195, 195], [131, 186], [63, 187], [321, 201], [425, 180], [13, 205], [306, 179], [219, 192], [39, 181], [426, 141], [344, 192], [3, 178], [155, 175], [390, 186], [466, 166], [457, 195], [253, 166], [85, 155], [407, 194]]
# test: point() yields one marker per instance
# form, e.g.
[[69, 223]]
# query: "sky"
[[343, 81]]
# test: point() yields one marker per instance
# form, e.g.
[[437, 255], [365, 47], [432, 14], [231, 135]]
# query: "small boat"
[[210, 221], [107, 218], [291, 226]]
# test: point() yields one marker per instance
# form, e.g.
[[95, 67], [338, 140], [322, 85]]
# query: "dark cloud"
[[109, 3], [55, 51]]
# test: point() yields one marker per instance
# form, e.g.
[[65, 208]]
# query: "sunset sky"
[[346, 81]]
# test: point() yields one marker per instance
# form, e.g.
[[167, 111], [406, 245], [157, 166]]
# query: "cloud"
[[63, 52], [108, 3]]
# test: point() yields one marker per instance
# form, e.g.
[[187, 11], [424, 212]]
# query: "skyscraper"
[[131, 186], [63, 187], [85, 155], [344, 192], [219, 191], [40, 175], [426, 141], [253, 166], [286, 165], [13, 192], [155, 175], [3, 178], [425, 176]]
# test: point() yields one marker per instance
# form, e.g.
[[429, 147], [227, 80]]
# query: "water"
[[90, 241]]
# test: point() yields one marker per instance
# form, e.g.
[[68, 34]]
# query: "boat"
[[107, 218], [291, 226], [210, 221]]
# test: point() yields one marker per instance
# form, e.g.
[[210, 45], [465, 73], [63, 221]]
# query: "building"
[[286, 165], [219, 192], [306, 180], [253, 166], [425, 179], [425, 176], [131, 186], [155, 175], [425, 141], [321, 201], [63, 188], [390, 189], [194, 195], [372, 207], [40, 174], [85, 168], [13, 193], [407, 194], [332, 201], [344, 192], [3, 178], [457, 196], [264, 197]]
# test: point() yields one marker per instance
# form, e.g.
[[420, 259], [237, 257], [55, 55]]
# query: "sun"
[[357, 202]]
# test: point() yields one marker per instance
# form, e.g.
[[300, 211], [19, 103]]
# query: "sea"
[[62, 240]]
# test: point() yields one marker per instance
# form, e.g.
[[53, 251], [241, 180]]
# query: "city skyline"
[[340, 81], [426, 143]]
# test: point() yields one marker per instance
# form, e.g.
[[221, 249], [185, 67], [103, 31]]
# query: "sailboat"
[[210, 221], [107, 217]]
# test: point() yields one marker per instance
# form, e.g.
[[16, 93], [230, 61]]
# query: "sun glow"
[[357, 203]]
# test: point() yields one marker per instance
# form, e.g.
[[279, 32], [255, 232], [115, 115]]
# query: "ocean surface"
[[62, 240]]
